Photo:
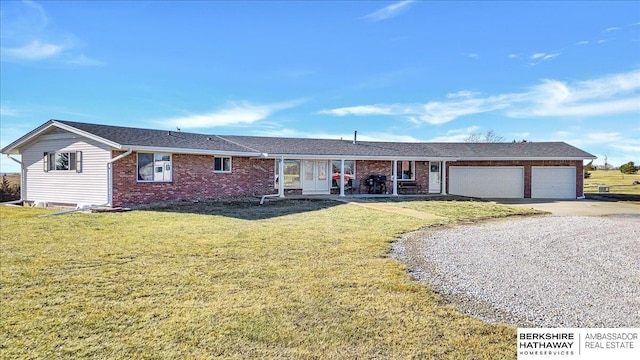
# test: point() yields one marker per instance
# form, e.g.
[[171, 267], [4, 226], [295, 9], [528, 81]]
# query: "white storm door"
[[315, 178], [434, 177]]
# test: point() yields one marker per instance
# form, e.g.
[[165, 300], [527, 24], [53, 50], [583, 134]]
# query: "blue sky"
[[394, 71]]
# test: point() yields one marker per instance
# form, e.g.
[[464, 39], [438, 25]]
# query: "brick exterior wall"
[[193, 179], [527, 170]]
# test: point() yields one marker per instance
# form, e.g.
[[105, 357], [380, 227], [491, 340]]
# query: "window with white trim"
[[291, 174], [349, 172], [406, 170], [154, 167], [222, 164], [63, 161]]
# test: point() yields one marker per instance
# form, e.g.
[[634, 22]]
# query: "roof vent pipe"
[[355, 137]]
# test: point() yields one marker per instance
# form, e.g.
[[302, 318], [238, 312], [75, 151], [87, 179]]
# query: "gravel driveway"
[[543, 271]]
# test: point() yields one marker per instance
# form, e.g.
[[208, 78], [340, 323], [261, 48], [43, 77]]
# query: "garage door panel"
[[487, 182], [553, 182]]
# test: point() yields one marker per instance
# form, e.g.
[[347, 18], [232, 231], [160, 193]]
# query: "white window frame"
[[222, 162], [74, 161], [276, 175], [166, 166], [411, 168], [346, 174]]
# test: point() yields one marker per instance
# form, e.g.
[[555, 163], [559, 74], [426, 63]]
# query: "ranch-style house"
[[74, 163]]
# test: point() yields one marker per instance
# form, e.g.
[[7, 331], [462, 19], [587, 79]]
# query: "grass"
[[287, 280], [617, 182]]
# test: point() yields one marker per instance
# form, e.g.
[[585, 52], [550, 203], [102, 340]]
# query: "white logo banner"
[[578, 343]]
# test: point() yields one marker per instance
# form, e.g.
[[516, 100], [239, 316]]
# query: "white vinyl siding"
[[553, 182], [89, 186], [487, 181]]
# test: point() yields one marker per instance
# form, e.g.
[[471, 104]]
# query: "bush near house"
[[10, 187]]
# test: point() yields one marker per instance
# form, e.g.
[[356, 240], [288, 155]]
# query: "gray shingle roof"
[[253, 145], [157, 138]]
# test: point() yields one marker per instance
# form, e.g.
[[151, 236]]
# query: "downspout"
[[110, 176], [280, 193], [22, 181]]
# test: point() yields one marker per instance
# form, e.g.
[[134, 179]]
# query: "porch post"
[[341, 176], [281, 175], [395, 177], [443, 182]]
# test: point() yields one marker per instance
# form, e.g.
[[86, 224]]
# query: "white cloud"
[[361, 110], [583, 42], [456, 135], [27, 36], [514, 56], [607, 95], [613, 94], [388, 11], [35, 50], [629, 146], [436, 112], [544, 56], [236, 114], [8, 111], [362, 135], [462, 94], [611, 29], [473, 55]]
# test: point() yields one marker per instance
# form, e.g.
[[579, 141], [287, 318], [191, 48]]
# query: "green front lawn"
[[617, 182], [289, 279]]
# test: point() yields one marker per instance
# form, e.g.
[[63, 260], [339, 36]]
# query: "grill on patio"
[[376, 184]]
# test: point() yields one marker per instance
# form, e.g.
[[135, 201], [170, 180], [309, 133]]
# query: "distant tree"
[[8, 192], [489, 137], [628, 168], [587, 168]]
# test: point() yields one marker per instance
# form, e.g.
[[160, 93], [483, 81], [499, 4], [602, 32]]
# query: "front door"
[[434, 177], [315, 179]]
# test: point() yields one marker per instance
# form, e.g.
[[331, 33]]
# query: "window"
[[291, 174], [406, 170], [63, 161], [154, 167], [349, 172], [222, 164]]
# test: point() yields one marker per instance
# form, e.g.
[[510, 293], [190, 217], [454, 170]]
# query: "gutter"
[[110, 176]]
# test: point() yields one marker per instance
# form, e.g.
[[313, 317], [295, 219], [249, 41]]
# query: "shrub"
[[628, 168]]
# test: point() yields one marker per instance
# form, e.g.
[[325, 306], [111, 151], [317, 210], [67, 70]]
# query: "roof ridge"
[[237, 143]]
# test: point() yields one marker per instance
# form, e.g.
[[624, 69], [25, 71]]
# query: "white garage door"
[[486, 181], [553, 182]]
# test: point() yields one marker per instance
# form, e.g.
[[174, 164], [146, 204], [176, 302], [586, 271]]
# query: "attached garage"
[[553, 182], [487, 181]]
